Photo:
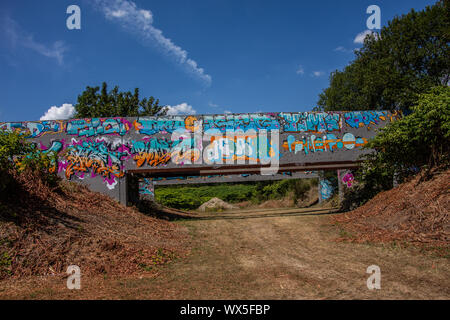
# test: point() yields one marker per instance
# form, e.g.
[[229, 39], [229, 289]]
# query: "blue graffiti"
[[326, 189], [358, 119], [310, 122]]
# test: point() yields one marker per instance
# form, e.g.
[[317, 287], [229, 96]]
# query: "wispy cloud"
[[140, 22], [360, 36], [300, 70], [317, 73], [343, 49], [182, 108], [18, 37], [63, 112]]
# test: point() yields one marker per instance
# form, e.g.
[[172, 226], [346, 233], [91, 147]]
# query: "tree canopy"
[[414, 142], [97, 103], [407, 57]]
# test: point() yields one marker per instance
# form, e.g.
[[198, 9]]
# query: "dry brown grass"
[[44, 230], [416, 211], [284, 257]]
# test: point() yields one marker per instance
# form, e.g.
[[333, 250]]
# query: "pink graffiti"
[[348, 179]]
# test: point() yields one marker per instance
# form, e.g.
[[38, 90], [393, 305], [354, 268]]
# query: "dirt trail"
[[292, 256]]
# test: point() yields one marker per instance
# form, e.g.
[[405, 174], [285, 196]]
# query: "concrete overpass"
[[115, 155]]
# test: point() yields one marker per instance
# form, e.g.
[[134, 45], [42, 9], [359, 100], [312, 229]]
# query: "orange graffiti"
[[77, 163], [190, 155], [153, 159], [320, 145], [191, 124]]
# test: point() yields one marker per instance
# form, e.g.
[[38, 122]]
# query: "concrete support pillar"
[[123, 190], [320, 186], [340, 186]]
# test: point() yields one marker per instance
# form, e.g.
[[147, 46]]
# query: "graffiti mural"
[[33, 129], [326, 189], [323, 143], [94, 157], [311, 122], [96, 127], [146, 189], [348, 179], [357, 119], [100, 151]]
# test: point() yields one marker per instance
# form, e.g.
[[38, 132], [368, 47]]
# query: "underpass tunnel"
[[145, 185]]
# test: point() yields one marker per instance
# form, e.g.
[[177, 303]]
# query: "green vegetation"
[[417, 141], [94, 104], [18, 156], [189, 197], [5, 263], [406, 67], [407, 58]]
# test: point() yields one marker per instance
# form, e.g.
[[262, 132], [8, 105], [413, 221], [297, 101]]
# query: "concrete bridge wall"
[[102, 153]]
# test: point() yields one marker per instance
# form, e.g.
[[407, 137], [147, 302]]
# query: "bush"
[[18, 155], [417, 141]]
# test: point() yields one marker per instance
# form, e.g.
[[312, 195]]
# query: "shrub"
[[416, 141], [18, 155]]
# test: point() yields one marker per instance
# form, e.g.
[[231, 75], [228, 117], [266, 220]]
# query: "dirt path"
[[240, 256]]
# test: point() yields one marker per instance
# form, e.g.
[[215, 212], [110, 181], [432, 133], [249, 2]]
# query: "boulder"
[[216, 204]]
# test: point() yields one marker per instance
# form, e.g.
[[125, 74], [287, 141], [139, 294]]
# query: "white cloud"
[[360, 36], [182, 108], [317, 73], [227, 111], [17, 36], [66, 111], [213, 105], [341, 49], [118, 13], [147, 14], [300, 70], [139, 22]]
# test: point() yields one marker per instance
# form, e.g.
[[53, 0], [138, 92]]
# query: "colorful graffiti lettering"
[[242, 122], [311, 122], [327, 142], [240, 148], [152, 151], [358, 119], [33, 129], [150, 126], [106, 147], [96, 126], [93, 156]]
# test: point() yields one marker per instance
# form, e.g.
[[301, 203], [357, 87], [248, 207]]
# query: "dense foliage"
[[96, 103], [190, 197], [406, 58], [419, 140], [18, 156]]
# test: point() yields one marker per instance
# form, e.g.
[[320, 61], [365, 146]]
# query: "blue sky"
[[203, 56]]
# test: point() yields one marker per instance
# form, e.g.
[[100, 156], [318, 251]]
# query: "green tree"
[[406, 58], [95, 103], [421, 138], [418, 140]]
